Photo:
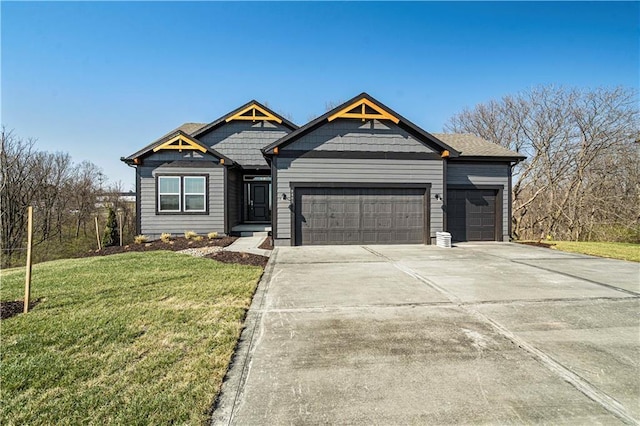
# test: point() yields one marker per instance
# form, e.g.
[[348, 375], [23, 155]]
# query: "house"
[[361, 173]]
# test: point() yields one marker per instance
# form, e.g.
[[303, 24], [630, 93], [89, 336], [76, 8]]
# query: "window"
[[194, 194], [182, 194]]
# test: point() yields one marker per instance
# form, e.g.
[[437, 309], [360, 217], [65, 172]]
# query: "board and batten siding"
[[356, 170], [243, 140], [354, 135], [474, 173], [153, 224]]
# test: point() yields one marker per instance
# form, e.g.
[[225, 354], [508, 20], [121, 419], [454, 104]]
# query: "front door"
[[259, 201]]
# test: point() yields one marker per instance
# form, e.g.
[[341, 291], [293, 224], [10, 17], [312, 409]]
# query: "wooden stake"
[[120, 226], [27, 278], [98, 235]]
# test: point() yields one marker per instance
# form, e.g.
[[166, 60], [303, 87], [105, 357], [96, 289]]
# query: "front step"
[[254, 233]]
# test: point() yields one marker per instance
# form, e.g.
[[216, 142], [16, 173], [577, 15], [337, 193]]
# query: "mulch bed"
[[175, 244], [14, 307], [536, 244], [267, 244], [240, 258]]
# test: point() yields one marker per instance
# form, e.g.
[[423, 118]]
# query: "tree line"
[[581, 178], [66, 197]]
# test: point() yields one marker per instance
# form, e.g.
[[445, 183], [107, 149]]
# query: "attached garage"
[[348, 214], [474, 214]]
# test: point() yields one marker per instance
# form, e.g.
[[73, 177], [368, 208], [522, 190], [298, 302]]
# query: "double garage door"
[[361, 215], [473, 214]]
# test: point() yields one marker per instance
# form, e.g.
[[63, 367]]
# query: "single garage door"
[[360, 215], [472, 214]]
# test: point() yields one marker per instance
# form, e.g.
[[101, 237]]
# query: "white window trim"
[[203, 194], [160, 194]]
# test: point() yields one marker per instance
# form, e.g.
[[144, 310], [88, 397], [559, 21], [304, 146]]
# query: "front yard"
[[622, 251], [136, 338]]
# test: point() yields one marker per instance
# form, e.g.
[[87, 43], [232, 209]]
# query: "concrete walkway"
[[249, 245], [488, 333]]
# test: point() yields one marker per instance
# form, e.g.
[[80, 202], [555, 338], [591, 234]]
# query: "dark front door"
[[259, 201]]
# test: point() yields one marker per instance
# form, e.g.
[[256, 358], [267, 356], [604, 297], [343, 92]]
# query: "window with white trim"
[[194, 194], [182, 194]]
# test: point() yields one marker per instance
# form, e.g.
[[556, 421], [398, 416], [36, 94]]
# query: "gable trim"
[[420, 134], [179, 134], [243, 109], [347, 112], [183, 143], [254, 107]]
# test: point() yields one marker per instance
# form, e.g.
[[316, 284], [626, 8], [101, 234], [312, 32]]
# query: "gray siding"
[[354, 135], [153, 224], [484, 174], [242, 140], [353, 170], [234, 197]]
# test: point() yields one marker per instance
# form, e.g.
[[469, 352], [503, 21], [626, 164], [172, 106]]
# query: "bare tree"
[[580, 177], [50, 182]]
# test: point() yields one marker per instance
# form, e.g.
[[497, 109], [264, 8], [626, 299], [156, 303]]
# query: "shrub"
[[165, 237], [212, 235], [190, 235], [111, 236], [198, 238], [139, 239]]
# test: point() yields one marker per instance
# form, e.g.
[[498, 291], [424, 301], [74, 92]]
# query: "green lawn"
[[136, 338], [623, 251]]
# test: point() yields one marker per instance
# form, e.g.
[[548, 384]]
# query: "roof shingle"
[[470, 145]]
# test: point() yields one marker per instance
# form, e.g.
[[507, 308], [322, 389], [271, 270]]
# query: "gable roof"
[[363, 98], [174, 133], [470, 145], [223, 120]]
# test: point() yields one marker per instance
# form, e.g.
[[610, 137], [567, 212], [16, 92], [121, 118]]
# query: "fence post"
[[98, 235], [27, 278]]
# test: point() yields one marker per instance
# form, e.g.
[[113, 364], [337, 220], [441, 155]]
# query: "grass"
[[622, 251], [136, 338]]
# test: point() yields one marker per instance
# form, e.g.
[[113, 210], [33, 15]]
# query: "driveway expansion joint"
[[581, 384]]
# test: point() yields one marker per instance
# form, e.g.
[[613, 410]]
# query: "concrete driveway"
[[480, 333]]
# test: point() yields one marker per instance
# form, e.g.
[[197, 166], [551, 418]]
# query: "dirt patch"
[[536, 244], [14, 307], [267, 244], [176, 244], [240, 258]]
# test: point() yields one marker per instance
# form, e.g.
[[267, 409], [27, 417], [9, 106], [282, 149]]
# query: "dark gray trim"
[[274, 199], [362, 155], [182, 212], [498, 207], [488, 159], [196, 164], [426, 233], [423, 136], [510, 205], [138, 202], [222, 120], [294, 185], [444, 196], [225, 204]]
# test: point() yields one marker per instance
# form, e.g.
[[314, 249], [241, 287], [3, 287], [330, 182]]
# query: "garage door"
[[360, 215], [471, 214]]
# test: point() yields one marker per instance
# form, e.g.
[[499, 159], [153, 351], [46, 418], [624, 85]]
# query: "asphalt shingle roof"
[[470, 145]]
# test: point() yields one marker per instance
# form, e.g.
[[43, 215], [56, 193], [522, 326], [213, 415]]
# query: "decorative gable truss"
[[365, 110], [254, 112], [180, 142]]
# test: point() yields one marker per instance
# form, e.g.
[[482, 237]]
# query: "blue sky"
[[101, 80]]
